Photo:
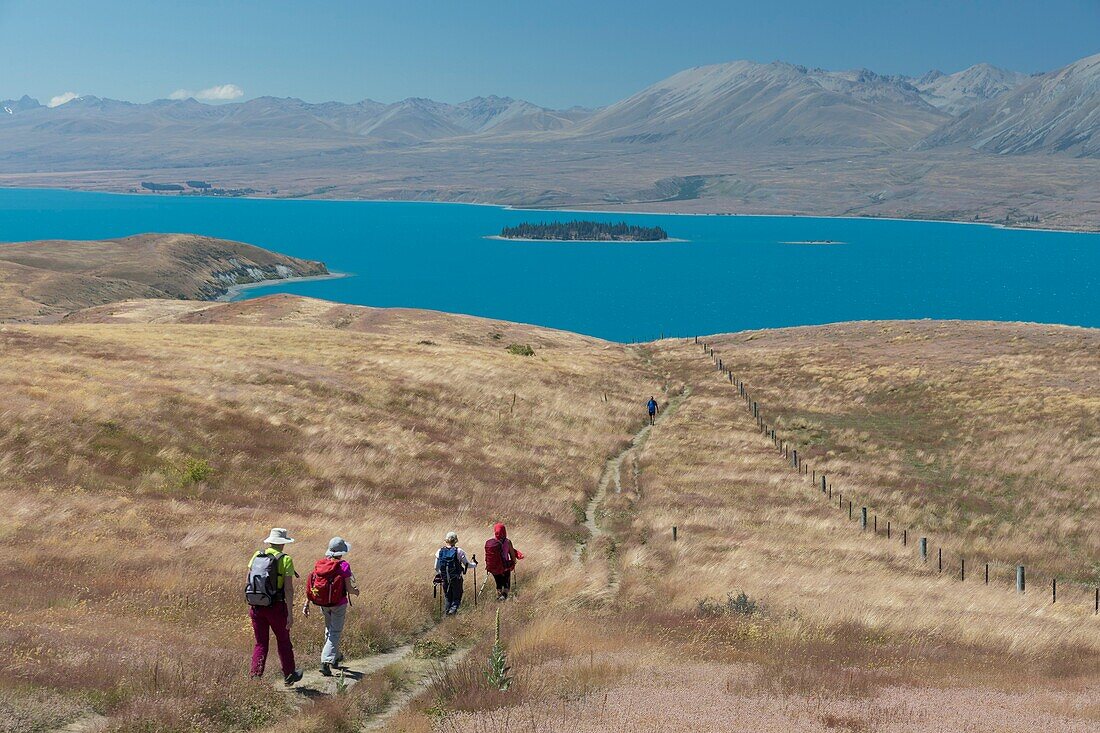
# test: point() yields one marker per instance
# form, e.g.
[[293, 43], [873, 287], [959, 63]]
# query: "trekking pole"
[[475, 581]]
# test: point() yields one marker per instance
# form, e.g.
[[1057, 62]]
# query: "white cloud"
[[219, 93], [61, 99]]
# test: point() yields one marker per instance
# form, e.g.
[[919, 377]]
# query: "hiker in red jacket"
[[500, 560], [330, 587]]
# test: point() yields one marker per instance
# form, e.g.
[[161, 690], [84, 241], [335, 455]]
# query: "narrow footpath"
[[612, 475]]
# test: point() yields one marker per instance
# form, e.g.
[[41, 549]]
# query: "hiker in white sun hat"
[[270, 595]]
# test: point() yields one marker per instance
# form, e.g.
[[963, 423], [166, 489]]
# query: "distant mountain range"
[[733, 137], [1053, 113], [738, 104]]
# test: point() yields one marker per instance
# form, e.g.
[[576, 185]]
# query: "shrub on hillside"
[[739, 605], [521, 350]]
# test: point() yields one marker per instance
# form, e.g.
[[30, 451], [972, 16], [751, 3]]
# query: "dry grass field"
[[154, 442]]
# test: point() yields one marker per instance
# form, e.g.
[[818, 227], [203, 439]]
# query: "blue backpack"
[[448, 564]]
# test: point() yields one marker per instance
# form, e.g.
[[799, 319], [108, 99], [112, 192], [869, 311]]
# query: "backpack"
[[262, 587], [448, 563], [326, 586]]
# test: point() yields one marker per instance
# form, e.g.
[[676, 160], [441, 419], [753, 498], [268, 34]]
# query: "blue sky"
[[557, 53]]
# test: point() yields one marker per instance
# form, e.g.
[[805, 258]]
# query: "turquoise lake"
[[734, 272]]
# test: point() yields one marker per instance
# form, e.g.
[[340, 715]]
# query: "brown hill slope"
[[49, 278], [141, 461]]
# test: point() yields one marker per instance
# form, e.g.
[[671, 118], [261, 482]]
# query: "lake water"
[[734, 272]]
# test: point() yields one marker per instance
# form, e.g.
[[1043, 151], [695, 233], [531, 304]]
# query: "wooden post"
[[813, 476], [940, 558], [674, 533], [795, 458], [987, 573], [1020, 579], [905, 536], [841, 499], [962, 568], [876, 524], [1053, 590], [1096, 603], [924, 549], [849, 509], [863, 518], [887, 530]]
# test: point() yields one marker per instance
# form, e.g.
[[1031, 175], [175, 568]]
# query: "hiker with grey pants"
[[330, 587]]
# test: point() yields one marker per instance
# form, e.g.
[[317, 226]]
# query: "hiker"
[[450, 566], [500, 560], [653, 408], [330, 587], [270, 595]]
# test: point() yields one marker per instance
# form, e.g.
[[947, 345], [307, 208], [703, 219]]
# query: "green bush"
[[739, 605], [521, 350], [196, 470]]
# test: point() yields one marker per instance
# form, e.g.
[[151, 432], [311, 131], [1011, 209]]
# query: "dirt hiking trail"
[[613, 473]]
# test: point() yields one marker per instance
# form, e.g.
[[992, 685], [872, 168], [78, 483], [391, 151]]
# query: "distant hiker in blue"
[[450, 565], [653, 408]]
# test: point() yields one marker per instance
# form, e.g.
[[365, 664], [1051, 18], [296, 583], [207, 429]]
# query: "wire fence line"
[[940, 559]]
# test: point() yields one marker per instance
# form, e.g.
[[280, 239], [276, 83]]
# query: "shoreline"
[[234, 291], [512, 207]]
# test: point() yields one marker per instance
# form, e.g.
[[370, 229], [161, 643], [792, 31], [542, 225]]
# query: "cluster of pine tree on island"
[[590, 231]]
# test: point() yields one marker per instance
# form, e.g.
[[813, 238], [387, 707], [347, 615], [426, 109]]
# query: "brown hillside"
[[49, 278]]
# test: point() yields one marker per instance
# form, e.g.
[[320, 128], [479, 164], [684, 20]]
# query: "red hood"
[[499, 531]]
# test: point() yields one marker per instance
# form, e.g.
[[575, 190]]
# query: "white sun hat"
[[278, 536]]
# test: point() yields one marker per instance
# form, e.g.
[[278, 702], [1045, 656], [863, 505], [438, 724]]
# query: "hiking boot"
[[295, 676], [339, 663], [326, 669]]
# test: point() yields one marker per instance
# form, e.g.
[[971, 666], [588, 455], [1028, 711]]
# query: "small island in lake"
[[584, 231]]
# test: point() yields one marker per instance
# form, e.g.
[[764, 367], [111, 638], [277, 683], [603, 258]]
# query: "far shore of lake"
[[816, 241]]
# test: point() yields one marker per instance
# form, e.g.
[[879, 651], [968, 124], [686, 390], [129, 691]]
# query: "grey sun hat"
[[278, 536], [338, 546], [451, 538]]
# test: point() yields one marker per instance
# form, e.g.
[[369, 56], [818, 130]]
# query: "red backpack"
[[325, 586]]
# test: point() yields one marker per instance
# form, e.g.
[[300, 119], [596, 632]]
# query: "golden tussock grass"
[[153, 444]]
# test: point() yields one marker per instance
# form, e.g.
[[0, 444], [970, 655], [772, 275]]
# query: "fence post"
[[822, 483], [924, 549], [674, 533], [794, 457], [863, 518], [987, 573], [849, 509], [939, 552], [1096, 603], [905, 536], [887, 530], [1053, 590], [841, 498], [876, 524], [962, 568], [1020, 580]]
